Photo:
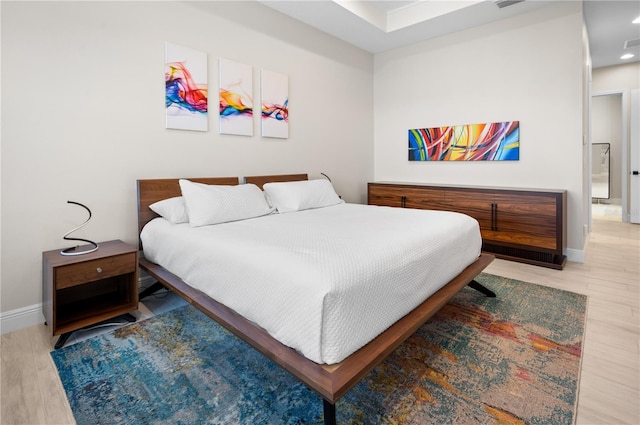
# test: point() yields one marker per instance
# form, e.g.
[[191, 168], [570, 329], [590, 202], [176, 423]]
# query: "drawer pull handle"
[[99, 270]]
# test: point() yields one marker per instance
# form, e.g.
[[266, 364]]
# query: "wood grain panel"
[[261, 180], [383, 195], [408, 197], [89, 271], [476, 203]]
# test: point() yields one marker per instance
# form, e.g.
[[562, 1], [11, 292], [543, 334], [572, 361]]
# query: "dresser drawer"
[[89, 271]]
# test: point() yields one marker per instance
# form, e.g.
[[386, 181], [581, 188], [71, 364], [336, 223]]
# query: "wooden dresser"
[[526, 225]]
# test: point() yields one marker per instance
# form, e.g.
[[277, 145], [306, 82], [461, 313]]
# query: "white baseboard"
[[21, 318], [575, 255]]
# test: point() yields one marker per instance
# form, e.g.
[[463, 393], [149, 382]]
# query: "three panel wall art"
[[186, 95], [498, 141]]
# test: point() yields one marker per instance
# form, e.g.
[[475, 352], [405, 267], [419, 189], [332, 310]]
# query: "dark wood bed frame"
[[330, 381]]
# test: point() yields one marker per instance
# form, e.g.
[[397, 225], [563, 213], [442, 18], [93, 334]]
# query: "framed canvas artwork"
[[275, 104], [498, 141], [186, 88], [235, 98]]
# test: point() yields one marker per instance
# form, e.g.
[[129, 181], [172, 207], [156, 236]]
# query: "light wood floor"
[[31, 392]]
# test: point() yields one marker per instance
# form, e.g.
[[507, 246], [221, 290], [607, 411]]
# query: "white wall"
[[619, 77], [83, 115], [527, 68]]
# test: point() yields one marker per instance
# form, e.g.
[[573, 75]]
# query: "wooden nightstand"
[[82, 290]]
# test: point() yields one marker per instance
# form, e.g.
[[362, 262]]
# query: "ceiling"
[[609, 27], [377, 25]]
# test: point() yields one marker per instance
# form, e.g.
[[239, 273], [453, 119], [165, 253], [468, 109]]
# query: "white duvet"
[[324, 281]]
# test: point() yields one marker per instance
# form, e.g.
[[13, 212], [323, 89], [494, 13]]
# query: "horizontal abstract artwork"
[[236, 99], [186, 88], [499, 141], [275, 104]]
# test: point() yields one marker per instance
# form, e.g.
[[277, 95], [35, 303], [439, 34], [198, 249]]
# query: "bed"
[[312, 358]]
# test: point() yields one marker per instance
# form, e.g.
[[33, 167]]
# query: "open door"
[[634, 160]]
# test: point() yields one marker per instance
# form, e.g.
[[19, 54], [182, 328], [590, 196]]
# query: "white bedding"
[[324, 281]]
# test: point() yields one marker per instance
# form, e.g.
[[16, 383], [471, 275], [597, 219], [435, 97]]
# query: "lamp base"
[[80, 249]]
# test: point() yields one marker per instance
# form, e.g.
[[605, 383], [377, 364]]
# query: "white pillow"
[[172, 209], [213, 204], [301, 195]]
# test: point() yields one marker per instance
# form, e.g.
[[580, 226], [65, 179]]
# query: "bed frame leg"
[[156, 286], [479, 287], [329, 412]]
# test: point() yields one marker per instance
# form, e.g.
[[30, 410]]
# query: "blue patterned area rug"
[[514, 359]]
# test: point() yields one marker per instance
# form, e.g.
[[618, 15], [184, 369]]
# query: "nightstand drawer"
[[88, 271]]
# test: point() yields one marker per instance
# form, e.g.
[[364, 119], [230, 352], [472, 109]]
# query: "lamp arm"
[[72, 250]]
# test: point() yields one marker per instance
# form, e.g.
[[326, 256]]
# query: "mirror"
[[600, 163]]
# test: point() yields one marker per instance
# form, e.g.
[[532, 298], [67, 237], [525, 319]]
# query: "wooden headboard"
[[261, 180], [154, 190]]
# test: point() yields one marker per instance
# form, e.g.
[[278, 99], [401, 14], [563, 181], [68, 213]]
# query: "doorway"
[[608, 156]]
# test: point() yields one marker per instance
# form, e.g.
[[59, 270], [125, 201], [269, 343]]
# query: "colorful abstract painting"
[[186, 88], [236, 98], [275, 104], [498, 141]]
